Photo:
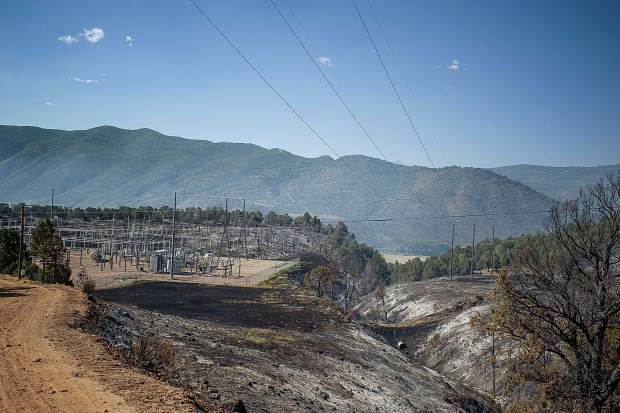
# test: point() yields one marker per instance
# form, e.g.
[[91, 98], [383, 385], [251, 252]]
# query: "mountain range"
[[558, 182], [109, 166]]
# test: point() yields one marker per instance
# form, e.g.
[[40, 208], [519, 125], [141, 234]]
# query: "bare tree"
[[381, 298], [560, 304]]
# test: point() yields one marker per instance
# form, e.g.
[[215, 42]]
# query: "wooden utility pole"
[[245, 233], [174, 227], [452, 253], [21, 240], [473, 251], [493, 361], [52, 206], [492, 249]]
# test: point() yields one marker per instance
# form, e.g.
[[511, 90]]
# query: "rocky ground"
[[276, 349]]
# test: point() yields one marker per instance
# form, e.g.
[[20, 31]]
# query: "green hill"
[[108, 166], [562, 182]]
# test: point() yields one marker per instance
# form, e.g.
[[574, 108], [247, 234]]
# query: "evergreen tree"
[[48, 247]]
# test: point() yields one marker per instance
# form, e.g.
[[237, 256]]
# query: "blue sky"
[[493, 82]]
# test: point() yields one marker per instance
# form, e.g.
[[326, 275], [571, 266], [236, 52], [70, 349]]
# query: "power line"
[[336, 92], [264, 79], [419, 197], [477, 215], [399, 67], [385, 69], [486, 214], [329, 82]]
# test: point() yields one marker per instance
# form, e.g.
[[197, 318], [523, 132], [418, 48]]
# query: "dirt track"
[[46, 366]]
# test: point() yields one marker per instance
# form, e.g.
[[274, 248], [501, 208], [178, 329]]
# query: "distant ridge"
[[109, 166], [559, 182]]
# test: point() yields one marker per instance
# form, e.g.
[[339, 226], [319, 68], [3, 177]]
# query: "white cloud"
[[129, 40], [325, 61], [437, 67], [93, 35], [68, 39], [79, 80], [455, 65], [49, 104]]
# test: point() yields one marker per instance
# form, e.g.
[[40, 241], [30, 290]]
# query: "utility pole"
[[174, 225], [473, 251], [493, 361], [245, 233], [492, 249], [52, 206], [452, 253], [21, 240]]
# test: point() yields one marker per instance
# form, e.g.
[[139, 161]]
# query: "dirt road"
[[47, 366]]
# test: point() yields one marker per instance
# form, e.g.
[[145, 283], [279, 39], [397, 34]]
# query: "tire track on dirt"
[[45, 366]]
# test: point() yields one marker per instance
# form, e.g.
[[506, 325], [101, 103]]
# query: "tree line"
[[352, 269], [189, 215], [487, 254]]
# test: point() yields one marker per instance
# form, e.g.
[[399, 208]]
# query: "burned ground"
[[433, 319], [232, 306], [276, 349]]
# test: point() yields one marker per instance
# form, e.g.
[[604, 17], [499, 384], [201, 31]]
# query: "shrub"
[[89, 287], [154, 355], [95, 314], [59, 274]]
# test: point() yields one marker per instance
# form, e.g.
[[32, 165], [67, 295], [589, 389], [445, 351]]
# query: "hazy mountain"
[[107, 166], [556, 182]]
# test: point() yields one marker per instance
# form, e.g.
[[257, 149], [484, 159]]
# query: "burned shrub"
[[153, 355], [95, 314]]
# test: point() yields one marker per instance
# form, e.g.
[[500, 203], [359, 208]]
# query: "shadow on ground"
[[6, 292]]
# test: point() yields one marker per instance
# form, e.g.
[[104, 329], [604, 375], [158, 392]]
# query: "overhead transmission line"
[[282, 98], [337, 93], [482, 214], [397, 93], [401, 71], [400, 100], [319, 136], [329, 82], [398, 64]]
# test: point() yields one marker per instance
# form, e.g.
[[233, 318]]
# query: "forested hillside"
[[108, 166]]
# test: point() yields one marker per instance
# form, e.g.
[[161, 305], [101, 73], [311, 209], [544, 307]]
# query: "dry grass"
[[267, 337], [280, 278], [420, 322]]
